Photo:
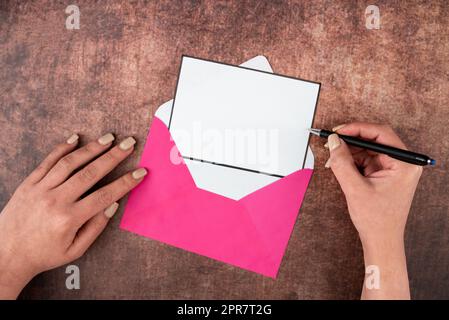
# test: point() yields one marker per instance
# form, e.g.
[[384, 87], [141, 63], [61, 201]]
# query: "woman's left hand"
[[50, 220]]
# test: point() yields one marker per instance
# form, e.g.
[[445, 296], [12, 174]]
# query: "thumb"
[[343, 166]]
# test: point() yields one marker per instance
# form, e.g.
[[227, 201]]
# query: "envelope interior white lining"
[[225, 181]]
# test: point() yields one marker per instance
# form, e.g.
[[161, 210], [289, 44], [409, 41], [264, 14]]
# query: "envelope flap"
[[273, 210], [160, 152], [187, 217], [207, 224]]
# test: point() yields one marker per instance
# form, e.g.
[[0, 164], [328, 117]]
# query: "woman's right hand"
[[379, 191]]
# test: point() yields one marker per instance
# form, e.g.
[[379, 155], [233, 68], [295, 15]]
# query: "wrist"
[[385, 261], [385, 253], [14, 274], [382, 245]]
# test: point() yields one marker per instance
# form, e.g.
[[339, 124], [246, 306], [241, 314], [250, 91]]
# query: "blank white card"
[[241, 117]]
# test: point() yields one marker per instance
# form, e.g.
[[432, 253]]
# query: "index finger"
[[383, 134], [105, 196], [86, 178]]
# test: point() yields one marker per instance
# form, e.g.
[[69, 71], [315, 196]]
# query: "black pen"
[[399, 154]]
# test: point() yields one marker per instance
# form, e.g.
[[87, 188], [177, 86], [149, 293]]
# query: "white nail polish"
[[334, 129], [111, 210], [139, 173], [127, 143], [73, 138], [334, 141], [106, 139]]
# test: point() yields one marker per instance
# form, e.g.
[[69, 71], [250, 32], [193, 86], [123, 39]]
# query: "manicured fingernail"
[[73, 138], [326, 145], [334, 141], [328, 163], [139, 173], [338, 127], [106, 139], [127, 143], [111, 210]]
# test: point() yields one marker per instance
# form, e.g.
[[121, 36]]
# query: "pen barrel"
[[400, 154]]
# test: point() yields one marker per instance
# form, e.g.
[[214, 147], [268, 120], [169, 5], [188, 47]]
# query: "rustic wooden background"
[[113, 73]]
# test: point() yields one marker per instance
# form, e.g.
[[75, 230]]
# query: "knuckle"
[[415, 170], [128, 181], [99, 223], [48, 202], [89, 148], [111, 157], [61, 223], [338, 161], [88, 174], [43, 166], [74, 254], [420, 170], [335, 160], [60, 148], [67, 162], [105, 197]]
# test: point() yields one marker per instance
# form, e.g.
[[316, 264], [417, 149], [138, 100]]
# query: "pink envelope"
[[251, 233]]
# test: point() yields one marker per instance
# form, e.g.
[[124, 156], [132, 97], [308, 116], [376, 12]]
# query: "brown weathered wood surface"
[[113, 73]]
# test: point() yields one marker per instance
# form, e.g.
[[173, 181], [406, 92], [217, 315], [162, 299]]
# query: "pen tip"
[[433, 162]]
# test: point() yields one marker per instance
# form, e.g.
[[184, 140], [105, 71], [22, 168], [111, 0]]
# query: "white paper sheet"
[[228, 182], [242, 118]]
